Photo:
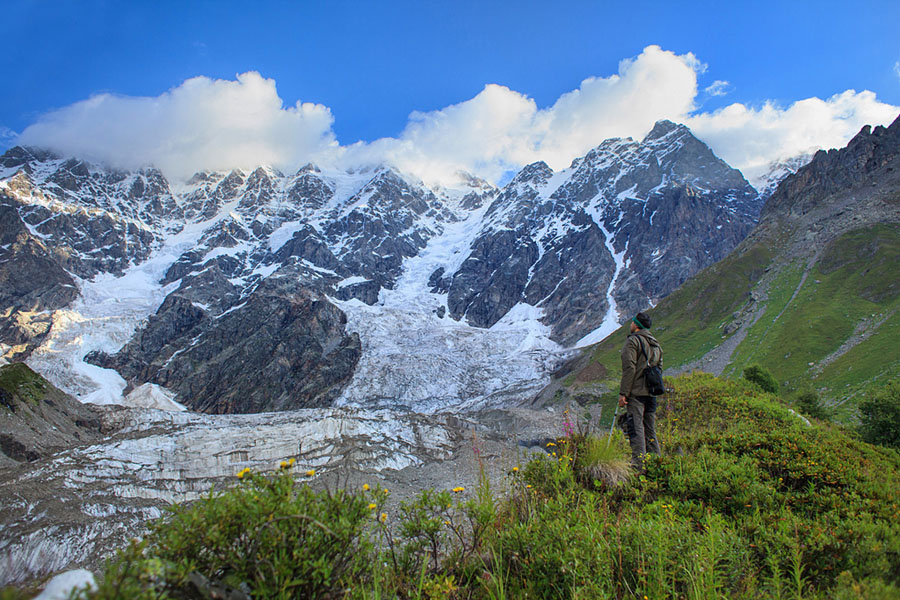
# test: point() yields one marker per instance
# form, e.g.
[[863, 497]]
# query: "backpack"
[[652, 374]]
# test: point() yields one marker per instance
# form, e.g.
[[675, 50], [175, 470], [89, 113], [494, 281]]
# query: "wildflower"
[[385, 491], [550, 444], [311, 473], [366, 487], [372, 506], [291, 461], [515, 469], [243, 472], [383, 517], [528, 486], [459, 489], [284, 464]]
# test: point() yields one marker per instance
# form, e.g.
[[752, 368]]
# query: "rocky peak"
[[536, 173], [23, 156], [666, 129]]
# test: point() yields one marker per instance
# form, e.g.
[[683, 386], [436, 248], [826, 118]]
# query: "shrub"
[[268, 537], [762, 378], [880, 417], [811, 405]]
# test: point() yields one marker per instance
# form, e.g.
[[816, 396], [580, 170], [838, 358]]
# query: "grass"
[[747, 501], [854, 281], [17, 379]]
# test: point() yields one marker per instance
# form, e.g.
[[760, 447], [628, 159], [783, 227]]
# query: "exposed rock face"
[[666, 207], [31, 282], [280, 350], [37, 419]]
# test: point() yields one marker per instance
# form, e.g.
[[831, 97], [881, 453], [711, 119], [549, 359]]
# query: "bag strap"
[[644, 352]]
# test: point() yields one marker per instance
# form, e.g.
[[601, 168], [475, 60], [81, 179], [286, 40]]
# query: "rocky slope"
[[37, 419]]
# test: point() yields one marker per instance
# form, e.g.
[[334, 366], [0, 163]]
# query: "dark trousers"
[[640, 425]]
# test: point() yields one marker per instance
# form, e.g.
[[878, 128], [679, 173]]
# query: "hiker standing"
[[641, 350]]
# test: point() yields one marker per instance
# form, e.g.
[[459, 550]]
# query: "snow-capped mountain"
[[777, 172], [249, 292]]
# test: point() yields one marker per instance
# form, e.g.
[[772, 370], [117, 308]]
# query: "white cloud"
[[218, 124], [751, 138], [500, 128], [897, 68], [718, 88], [7, 135], [201, 124]]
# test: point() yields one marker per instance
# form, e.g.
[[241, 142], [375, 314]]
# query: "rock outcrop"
[[37, 419]]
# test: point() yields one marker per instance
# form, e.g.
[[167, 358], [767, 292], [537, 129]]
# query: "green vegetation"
[[880, 422], [17, 379], [852, 291], [760, 377], [746, 502]]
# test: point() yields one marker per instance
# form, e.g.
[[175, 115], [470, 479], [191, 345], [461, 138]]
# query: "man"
[[640, 349]]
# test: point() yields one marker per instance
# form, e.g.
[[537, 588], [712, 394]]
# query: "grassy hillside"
[[748, 501], [831, 325]]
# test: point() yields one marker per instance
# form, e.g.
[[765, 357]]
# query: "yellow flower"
[[383, 517], [550, 444], [366, 486], [311, 473], [385, 490], [372, 506], [243, 472], [459, 489], [528, 486], [284, 464], [291, 461], [515, 469]]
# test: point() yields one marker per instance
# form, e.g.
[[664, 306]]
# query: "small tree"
[[880, 416], [810, 404], [757, 375]]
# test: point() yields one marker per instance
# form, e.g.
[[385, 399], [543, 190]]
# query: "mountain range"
[[233, 291]]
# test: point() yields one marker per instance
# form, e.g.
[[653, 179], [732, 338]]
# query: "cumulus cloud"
[[751, 138], [208, 124], [501, 129], [201, 124]]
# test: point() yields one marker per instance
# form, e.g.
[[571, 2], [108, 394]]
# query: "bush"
[[811, 405], [757, 375], [268, 537], [880, 417]]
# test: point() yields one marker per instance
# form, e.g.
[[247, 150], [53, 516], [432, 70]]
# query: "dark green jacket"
[[634, 362]]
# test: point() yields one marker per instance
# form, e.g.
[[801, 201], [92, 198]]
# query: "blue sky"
[[372, 64]]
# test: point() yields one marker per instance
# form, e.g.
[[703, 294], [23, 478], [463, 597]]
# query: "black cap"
[[643, 320]]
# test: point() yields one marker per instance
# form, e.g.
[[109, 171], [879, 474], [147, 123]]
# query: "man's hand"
[[622, 401]]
